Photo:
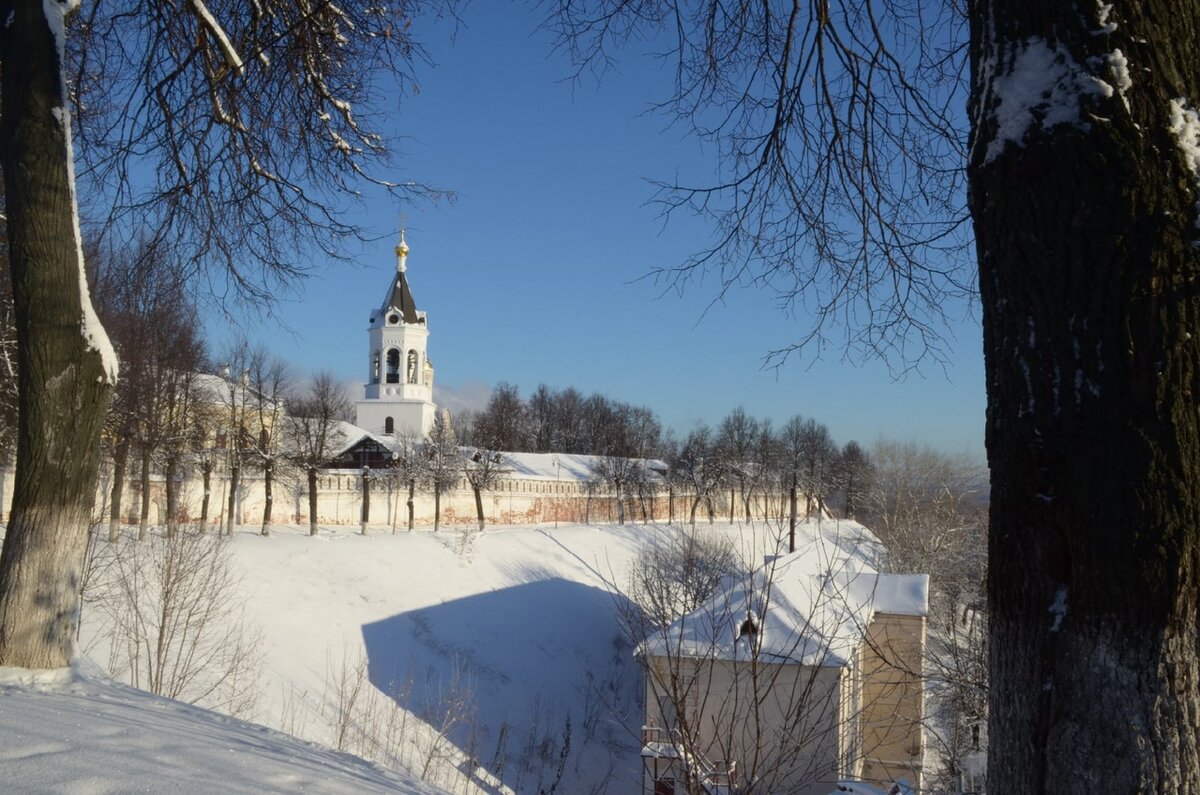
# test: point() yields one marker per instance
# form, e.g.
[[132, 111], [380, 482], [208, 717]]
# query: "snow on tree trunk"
[[66, 377], [1083, 187]]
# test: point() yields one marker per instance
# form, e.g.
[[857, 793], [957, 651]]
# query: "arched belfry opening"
[[412, 367], [393, 366]]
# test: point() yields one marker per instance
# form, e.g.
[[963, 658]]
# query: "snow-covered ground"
[[491, 662], [72, 732]]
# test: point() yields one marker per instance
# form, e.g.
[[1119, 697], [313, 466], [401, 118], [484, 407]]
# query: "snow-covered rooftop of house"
[[810, 607]]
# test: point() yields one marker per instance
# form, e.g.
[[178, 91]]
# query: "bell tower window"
[[393, 366], [412, 367], [389, 425]]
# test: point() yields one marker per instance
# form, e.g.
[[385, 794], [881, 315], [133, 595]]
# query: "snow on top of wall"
[[1042, 88], [810, 607]]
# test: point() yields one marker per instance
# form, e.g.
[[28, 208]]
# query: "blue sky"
[[533, 274]]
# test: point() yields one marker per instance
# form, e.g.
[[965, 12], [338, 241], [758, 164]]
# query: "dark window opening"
[[393, 366]]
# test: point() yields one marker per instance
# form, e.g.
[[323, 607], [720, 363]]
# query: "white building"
[[398, 395], [799, 678]]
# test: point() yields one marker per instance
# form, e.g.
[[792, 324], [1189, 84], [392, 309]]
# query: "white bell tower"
[[398, 395]]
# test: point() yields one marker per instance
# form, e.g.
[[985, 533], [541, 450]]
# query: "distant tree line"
[[163, 421], [744, 455]]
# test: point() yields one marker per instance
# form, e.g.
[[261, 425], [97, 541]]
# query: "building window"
[[393, 366], [664, 786], [389, 425], [375, 368], [412, 367]]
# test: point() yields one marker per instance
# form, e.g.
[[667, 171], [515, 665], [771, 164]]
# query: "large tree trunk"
[[64, 384], [1086, 235]]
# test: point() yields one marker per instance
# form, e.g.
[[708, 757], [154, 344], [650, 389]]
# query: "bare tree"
[[265, 431], [483, 469], [671, 580], [183, 432], [808, 456], [852, 475], [503, 423], [246, 127], [312, 422], [699, 467], [441, 459], [737, 437], [408, 467], [929, 508], [237, 403], [173, 622]]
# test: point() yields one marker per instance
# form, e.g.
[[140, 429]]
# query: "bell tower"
[[398, 395]]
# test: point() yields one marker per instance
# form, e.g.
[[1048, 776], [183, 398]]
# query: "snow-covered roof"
[[562, 467], [809, 607], [345, 435], [218, 390]]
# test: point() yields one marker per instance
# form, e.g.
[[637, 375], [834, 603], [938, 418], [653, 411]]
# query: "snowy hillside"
[[71, 732], [489, 662]]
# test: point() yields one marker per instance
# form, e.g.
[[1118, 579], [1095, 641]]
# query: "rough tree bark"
[[206, 468], [234, 478], [120, 462], [268, 495], [1087, 243], [312, 501], [65, 381], [144, 487]]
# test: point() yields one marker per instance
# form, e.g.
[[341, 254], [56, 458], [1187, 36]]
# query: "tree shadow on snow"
[[503, 673]]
